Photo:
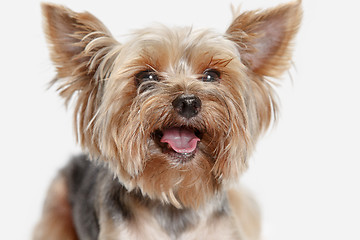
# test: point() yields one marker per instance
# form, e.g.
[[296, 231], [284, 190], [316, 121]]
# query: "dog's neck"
[[133, 206]]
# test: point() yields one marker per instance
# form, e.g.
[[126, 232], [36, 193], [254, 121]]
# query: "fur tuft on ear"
[[82, 50], [264, 37]]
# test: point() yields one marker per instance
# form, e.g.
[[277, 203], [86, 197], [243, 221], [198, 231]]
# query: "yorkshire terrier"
[[168, 121]]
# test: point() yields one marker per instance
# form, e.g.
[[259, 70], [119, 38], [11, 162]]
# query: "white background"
[[306, 171]]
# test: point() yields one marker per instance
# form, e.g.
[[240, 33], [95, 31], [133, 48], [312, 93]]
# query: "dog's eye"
[[145, 76], [211, 75]]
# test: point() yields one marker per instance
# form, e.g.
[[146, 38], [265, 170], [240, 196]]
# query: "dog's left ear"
[[264, 37]]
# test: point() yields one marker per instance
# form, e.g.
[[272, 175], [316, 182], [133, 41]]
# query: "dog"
[[167, 121]]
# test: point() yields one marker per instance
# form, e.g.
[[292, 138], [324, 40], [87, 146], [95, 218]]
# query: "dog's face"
[[174, 112]]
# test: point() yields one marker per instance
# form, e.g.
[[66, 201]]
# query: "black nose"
[[187, 105]]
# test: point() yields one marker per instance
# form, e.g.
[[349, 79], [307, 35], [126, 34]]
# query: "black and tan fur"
[[210, 87]]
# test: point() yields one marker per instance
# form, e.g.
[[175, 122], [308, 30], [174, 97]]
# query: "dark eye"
[[211, 75], [146, 76]]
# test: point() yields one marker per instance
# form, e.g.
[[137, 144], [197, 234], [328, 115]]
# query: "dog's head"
[[174, 112]]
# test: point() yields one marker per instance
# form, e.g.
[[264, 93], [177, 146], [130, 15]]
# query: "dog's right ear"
[[75, 40], [82, 50]]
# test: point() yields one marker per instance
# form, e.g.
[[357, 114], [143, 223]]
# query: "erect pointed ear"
[[264, 37], [82, 49], [71, 37]]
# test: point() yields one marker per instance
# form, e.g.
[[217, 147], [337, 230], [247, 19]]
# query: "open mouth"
[[181, 141]]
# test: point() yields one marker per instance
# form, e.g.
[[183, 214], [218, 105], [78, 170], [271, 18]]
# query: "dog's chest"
[[149, 226]]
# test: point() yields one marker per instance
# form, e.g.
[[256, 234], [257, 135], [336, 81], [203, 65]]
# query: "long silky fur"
[[116, 118]]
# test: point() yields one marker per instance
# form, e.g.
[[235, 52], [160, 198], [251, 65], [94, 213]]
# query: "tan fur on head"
[[117, 119]]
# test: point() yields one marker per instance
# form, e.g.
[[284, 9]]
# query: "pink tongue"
[[181, 140]]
